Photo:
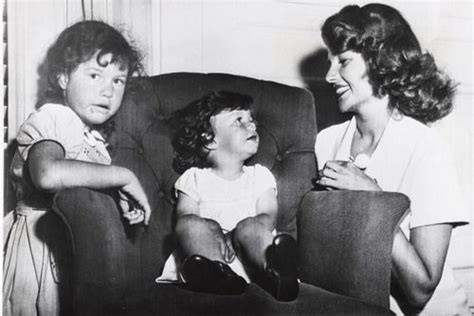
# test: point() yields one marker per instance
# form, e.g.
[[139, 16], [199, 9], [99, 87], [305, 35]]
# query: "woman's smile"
[[348, 75]]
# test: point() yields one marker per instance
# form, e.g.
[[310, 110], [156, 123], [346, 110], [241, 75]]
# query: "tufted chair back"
[[287, 129]]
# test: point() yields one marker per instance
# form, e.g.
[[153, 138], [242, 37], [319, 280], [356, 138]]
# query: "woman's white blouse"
[[410, 158]]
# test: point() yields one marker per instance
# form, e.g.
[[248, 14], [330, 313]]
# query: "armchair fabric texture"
[[362, 225], [115, 264]]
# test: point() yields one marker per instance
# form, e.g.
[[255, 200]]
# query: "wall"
[[276, 40]]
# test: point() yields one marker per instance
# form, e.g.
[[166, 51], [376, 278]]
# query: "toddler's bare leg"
[[251, 239], [200, 236]]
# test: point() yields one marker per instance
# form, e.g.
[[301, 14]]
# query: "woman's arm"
[[417, 265], [50, 171], [417, 262]]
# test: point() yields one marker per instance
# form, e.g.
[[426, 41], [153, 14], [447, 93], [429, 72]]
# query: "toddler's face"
[[94, 92], [235, 133]]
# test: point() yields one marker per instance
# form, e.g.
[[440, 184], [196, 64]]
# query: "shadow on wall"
[[313, 69]]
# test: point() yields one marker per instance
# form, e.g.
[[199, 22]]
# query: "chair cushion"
[[170, 299]]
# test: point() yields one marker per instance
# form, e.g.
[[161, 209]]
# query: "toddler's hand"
[[229, 252], [134, 203]]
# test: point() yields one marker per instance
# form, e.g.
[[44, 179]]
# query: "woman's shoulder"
[[411, 130], [328, 138], [333, 131]]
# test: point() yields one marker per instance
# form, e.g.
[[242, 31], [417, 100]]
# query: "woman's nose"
[[331, 74]]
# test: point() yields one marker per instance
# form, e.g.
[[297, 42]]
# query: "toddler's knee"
[[193, 223], [186, 223], [247, 227]]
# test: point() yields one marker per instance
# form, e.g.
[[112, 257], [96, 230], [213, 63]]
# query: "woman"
[[394, 90]]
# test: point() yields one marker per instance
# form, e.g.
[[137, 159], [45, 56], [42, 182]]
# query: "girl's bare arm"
[[51, 172]]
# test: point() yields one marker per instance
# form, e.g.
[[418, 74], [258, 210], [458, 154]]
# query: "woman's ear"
[[63, 80]]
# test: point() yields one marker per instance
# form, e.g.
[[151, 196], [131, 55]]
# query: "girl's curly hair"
[[397, 67], [193, 131], [77, 44]]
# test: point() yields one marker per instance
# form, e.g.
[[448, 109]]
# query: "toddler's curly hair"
[[193, 131]]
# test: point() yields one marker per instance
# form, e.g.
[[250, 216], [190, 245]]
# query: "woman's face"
[[348, 75]]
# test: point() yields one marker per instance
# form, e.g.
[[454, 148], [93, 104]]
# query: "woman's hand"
[[344, 175], [133, 202]]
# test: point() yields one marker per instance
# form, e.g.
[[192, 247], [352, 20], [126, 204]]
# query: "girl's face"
[[235, 133], [94, 92], [348, 75]]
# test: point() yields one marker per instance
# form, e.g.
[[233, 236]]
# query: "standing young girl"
[[59, 147], [226, 211]]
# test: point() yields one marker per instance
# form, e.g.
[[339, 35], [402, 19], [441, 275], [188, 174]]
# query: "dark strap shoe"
[[280, 278], [203, 275]]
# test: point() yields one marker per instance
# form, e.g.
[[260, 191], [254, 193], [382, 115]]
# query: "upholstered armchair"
[[115, 264]]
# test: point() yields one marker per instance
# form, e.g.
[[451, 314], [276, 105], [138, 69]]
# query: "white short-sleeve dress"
[[225, 201], [30, 285], [411, 158]]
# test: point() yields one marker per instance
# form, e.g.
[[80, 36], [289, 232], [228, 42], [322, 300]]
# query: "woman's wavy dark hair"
[[193, 131], [397, 67]]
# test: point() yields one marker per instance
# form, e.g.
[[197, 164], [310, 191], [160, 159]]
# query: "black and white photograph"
[[237, 157]]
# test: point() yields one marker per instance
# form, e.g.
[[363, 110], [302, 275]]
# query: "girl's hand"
[[345, 175], [134, 203]]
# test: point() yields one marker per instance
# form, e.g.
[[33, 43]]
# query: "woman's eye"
[[119, 81], [94, 76], [344, 62]]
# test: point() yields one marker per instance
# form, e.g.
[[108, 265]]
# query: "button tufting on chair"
[[161, 194]]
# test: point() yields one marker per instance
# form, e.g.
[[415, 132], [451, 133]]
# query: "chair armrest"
[[102, 245], [345, 241]]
